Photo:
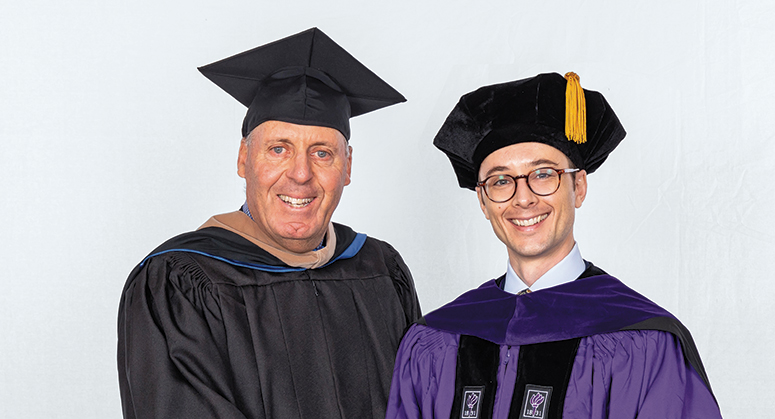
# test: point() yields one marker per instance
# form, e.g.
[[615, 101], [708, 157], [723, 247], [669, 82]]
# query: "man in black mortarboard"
[[555, 336], [273, 311]]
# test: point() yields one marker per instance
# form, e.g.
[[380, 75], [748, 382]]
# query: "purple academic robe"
[[623, 367]]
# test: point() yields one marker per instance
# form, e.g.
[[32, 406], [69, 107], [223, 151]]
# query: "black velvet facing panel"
[[545, 364], [477, 365]]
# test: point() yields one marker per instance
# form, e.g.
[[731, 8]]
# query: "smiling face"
[[535, 229], [295, 175]]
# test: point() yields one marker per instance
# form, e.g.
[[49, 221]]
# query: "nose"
[[300, 170], [523, 196]]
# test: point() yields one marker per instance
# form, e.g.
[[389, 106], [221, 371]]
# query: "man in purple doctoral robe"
[[555, 337]]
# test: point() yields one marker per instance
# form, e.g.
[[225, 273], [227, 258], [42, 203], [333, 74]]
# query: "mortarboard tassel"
[[575, 110]]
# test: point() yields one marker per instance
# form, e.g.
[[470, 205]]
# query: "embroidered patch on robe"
[[535, 403], [472, 402]]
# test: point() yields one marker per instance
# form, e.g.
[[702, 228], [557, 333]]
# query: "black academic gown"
[[212, 326]]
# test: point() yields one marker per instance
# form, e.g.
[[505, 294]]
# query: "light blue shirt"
[[570, 268], [246, 210]]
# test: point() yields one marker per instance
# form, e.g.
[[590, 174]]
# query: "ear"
[[480, 194], [242, 157], [580, 187], [349, 165]]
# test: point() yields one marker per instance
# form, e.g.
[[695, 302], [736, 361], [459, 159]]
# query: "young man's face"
[[533, 227], [295, 175]]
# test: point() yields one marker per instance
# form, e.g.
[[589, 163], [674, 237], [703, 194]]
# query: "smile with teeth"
[[295, 202], [529, 222]]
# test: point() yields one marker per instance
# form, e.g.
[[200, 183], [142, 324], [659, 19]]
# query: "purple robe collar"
[[584, 307]]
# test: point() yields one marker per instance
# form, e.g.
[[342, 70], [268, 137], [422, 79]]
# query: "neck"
[[529, 269], [288, 245], [239, 223]]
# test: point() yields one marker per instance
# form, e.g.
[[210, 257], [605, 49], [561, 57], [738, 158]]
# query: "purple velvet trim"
[[584, 307]]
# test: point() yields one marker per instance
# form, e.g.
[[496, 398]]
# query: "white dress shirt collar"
[[567, 270]]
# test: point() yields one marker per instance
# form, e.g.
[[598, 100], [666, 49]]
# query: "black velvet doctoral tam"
[[527, 110]]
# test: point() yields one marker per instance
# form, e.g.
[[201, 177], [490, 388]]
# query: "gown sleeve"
[[636, 374], [169, 359], [403, 283], [426, 358]]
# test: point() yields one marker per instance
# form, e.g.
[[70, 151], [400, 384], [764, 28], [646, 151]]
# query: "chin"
[[302, 231], [531, 250]]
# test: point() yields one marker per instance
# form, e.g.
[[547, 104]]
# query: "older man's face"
[[295, 175]]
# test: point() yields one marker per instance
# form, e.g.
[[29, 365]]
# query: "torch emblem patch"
[[472, 402], [535, 403]]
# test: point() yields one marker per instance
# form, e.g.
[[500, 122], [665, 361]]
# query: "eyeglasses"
[[542, 182]]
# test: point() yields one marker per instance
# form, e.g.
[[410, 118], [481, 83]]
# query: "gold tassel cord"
[[575, 110]]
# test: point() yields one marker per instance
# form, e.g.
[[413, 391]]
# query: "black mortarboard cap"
[[304, 79], [528, 110]]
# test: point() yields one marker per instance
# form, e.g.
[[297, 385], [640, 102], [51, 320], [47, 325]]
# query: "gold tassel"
[[575, 110]]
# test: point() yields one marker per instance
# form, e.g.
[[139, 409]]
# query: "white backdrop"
[[112, 142]]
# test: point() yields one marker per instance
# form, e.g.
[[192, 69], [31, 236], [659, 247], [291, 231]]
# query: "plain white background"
[[111, 142]]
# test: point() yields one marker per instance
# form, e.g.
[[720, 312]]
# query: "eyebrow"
[[534, 163], [277, 141], [325, 144], [333, 148]]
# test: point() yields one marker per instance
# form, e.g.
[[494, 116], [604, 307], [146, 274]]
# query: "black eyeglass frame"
[[560, 172]]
